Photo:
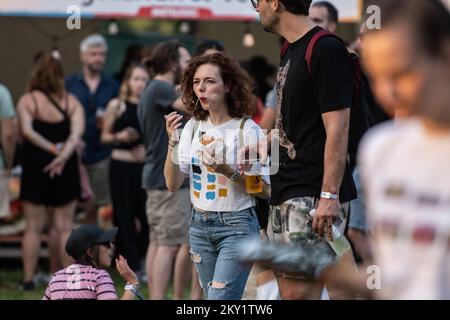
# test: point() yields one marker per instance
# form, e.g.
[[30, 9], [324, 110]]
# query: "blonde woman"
[[121, 129]]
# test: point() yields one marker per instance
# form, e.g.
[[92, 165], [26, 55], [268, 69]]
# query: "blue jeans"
[[357, 217], [215, 238]]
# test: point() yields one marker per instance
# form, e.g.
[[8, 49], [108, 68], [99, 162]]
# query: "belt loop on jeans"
[[219, 214], [253, 212]]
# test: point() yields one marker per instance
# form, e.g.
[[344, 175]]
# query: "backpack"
[[364, 112]]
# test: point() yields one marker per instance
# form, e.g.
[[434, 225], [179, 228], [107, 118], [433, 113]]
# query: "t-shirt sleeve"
[[6, 104], [271, 99], [47, 294], [105, 287], [184, 147], [253, 133], [166, 96], [332, 75]]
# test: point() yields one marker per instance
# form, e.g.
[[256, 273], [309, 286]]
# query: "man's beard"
[[271, 25], [94, 69]]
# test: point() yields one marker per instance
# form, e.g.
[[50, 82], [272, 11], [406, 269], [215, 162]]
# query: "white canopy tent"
[[223, 10]]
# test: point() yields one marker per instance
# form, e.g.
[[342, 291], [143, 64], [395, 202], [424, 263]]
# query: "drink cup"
[[253, 179]]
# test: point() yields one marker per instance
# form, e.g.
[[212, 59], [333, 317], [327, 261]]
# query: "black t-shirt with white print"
[[302, 99]]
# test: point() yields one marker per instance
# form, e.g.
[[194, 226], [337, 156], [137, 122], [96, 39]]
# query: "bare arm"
[[345, 276], [336, 126], [268, 119], [107, 136], [9, 140], [26, 125], [129, 276], [76, 128], [172, 173]]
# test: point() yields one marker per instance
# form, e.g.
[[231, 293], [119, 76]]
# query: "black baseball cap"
[[85, 237]]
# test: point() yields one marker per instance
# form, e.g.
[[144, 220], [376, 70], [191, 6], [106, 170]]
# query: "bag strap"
[[312, 43], [194, 129], [241, 132], [356, 67], [284, 48]]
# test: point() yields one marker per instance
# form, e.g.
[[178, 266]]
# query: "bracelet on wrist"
[[236, 174], [134, 289], [133, 283], [328, 195]]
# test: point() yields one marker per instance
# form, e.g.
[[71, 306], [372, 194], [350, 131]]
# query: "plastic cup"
[[253, 180]]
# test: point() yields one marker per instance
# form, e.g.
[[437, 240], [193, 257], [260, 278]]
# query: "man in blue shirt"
[[94, 90]]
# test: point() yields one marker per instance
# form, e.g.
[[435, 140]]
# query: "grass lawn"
[[10, 279]]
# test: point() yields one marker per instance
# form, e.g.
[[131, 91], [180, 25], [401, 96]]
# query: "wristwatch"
[[328, 195]]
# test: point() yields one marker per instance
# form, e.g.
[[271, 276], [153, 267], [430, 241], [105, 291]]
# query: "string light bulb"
[[185, 27], [248, 40], [113, 28]]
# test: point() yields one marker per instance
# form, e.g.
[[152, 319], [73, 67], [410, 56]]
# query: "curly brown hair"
[[240, 100]]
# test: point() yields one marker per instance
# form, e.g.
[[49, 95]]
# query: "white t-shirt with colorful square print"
[[211, 191]]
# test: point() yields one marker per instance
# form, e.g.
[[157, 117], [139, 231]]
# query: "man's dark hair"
[[164, 55], [209, 44], [298, 7], [333, 14], [427, 20]]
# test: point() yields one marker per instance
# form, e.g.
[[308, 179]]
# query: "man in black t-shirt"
[[313, 111]]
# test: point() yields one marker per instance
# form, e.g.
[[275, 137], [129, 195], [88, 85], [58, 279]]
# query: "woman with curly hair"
[[220, 97]]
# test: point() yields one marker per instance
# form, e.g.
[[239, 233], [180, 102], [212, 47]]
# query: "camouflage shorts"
[[291, 223]]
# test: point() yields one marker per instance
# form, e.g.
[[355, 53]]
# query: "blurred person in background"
[[404, 162], [94, 89], [325, 15], [209, 47], [121, 130], [167, 212], [51, 122], [8, 139]]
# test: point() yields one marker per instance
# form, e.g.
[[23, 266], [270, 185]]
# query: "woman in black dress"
[[52, 123], [121, 129]]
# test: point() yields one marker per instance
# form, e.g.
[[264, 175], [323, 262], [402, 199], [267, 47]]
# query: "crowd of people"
[[172, 145]]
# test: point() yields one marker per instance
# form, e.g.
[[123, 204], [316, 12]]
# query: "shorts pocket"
[[238, 219]]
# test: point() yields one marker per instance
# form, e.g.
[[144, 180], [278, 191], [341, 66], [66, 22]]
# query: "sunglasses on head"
[[255, 3]]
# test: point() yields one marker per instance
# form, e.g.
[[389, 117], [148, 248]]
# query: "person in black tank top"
[[121, 129], [52, 123]]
